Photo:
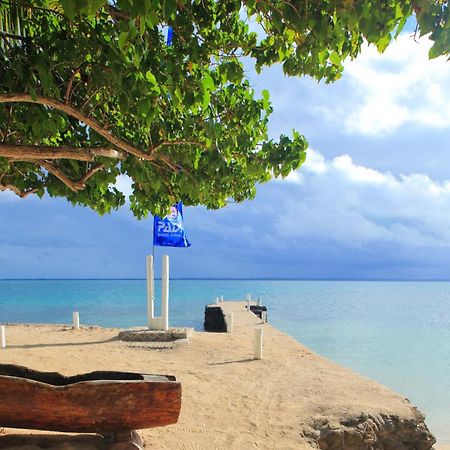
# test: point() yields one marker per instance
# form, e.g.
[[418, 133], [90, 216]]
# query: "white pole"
[[2, 336], [258, 343], [150, 291], [221, 298], [259, 301], [264, 316], [217, 300], [230, 322], [76, 320], [165, 292]]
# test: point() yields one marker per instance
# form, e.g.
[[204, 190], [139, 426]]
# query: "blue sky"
[[371, 202]]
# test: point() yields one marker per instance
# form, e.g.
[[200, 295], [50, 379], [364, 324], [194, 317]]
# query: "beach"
[[292, 398]]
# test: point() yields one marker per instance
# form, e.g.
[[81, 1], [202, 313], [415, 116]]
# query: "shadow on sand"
[[52, 442]]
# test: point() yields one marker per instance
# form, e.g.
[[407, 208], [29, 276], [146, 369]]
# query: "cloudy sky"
[[371, 202]]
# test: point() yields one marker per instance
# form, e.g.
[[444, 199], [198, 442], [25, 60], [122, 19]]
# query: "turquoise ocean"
[[397, 333]]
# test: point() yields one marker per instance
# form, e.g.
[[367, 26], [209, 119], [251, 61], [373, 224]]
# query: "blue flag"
[[169, 232]]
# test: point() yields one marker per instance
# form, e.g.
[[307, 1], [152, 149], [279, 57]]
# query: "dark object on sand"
[[258, 310], [214, 319], [98, 402]]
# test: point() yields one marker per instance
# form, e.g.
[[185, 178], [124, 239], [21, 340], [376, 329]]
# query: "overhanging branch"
[[16, 190], [75, 113], [80, 153], [39, 152], [74, 186]]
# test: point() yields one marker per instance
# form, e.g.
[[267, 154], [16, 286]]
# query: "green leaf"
[[44, 78], [335, 58], [123, 38], [208, 82], [383, 43], [150, 77], [170, 7], [69, 7], [266, 99]]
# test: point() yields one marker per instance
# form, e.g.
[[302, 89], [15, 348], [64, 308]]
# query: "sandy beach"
[[290, 399]]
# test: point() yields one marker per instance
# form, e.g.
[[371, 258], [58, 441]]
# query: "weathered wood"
[[37, 152], [96, 402]]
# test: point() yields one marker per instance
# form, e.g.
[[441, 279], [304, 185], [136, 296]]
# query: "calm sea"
[[397, 333]]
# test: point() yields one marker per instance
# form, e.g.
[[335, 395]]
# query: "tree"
[[90, 90]]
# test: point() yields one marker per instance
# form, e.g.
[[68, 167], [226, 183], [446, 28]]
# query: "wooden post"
[[258, 343], [230, 322], [150, 291], [165, 292], [76, 320], [2, 336]]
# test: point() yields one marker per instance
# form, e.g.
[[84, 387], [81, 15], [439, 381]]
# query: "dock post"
[[217, 300], [76, 320], [229, 322], [165, 292], [2, 336], [248, 297], [221, 298], [264, 316], [258, 343], [150, 291]]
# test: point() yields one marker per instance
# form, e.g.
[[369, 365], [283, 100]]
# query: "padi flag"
[[169, 232]]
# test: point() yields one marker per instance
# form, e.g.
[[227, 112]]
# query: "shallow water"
[[397, 333]]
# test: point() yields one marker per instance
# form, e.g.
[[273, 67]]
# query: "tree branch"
[[37, 152], [116, 13], [75, 113], [91, 172], [74, 186], [16, 190], [102, 130], [69, 86]]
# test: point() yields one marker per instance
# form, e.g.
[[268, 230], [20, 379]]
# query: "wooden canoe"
[[96, 402]]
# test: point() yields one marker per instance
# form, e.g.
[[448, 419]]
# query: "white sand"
[[229, 399]]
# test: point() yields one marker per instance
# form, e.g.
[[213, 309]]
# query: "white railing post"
[[150, 291], [165, 292], [229, 322], [2, 336], [76, 320], [264, 316], [258, 354]]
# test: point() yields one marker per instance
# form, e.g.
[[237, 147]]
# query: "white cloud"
[[339, 203], [356, 205], [398, 87]]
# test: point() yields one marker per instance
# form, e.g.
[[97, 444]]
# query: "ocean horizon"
[[393, 332]]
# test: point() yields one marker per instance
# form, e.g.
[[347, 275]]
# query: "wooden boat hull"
[[97, 402]]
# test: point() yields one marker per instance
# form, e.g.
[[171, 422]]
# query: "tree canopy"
[[90, 90]]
